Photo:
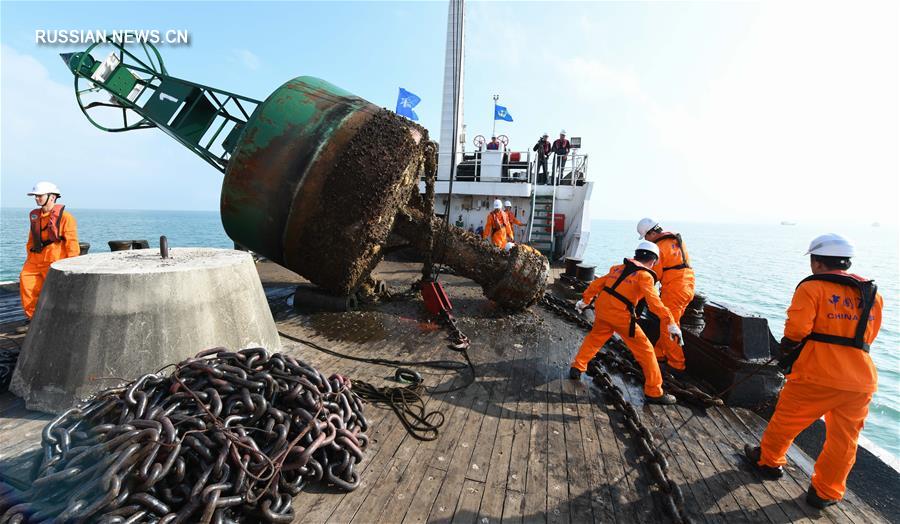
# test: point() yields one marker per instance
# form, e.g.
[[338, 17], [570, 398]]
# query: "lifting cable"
[[406, 401]]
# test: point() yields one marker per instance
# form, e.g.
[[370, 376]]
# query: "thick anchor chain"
[[228, 436], [656, 462], [624, 362]]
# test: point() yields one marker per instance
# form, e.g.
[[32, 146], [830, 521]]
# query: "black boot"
[[752, 455], [814, 500], [574, 374], [679, 374], [665, 399]]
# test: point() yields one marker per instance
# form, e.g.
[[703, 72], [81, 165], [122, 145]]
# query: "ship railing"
[[573, 172], [495, 166]]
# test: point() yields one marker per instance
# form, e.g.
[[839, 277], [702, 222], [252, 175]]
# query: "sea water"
[[753, 267]]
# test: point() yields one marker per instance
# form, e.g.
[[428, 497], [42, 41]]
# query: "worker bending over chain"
[[677, 280], [833, 318], [616, 297], [497, 227], [53, 236]]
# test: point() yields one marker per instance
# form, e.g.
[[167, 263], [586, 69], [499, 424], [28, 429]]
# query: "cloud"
[[791, 116], [247, 59]]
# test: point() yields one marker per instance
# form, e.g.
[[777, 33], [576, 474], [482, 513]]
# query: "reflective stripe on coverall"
[[34, 272], [829, 380], [512, 220], [612, 316], [498, 229], [676, 293]]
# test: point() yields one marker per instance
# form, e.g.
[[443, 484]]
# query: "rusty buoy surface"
[[316, 180]]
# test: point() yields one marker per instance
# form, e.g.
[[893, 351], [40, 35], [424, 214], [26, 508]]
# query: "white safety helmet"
[[508, 246], [546, 134], [831, 245], [645, 225], [44, 188], [562, 131], [507, 204], [498, 204], [644, 245]]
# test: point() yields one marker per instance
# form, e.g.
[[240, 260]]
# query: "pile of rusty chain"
[[227, 436], [624, 362], [673, 499], [8, 358]]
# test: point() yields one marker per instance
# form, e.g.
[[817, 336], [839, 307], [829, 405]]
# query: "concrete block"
[[108, 318]]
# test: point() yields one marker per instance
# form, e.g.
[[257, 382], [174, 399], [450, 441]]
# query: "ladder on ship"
[[541, 226]]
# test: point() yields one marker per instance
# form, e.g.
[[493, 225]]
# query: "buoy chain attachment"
[[227, 436]]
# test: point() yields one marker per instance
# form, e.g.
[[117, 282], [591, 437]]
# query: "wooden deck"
[[522, 443]]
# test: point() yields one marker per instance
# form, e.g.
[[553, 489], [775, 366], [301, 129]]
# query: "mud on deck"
[[521, 444]]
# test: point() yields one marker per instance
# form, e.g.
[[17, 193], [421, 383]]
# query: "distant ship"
[[786, 223], [876, 224]]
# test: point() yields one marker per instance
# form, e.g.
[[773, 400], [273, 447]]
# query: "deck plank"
[[561, 437], [700, 503], [460, 462], [766, 494], [733, 507], [591, 480], [613, 458], [536, 472], [392, 488], [510, 419]]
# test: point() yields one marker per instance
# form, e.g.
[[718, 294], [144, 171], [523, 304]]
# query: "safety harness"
[[53, 232], [677, 236], [867, 291], [500, 220], [633, 309]]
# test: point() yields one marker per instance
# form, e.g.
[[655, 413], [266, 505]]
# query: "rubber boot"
[[752, 455], [665, 399], [574, 374], [814, 500]]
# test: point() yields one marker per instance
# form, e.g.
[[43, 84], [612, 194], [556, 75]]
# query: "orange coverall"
[[827, 379], [498, 229], [611, 316], [676, 293], [34, 272], [512, 220]]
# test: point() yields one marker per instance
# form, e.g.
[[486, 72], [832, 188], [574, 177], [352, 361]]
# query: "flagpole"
[[494, 130]]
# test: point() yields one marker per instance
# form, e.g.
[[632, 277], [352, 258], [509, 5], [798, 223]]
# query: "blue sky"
[[704, 111]]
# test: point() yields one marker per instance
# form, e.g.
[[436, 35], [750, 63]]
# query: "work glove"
[[787, 353], [580, 305], [675, 334]]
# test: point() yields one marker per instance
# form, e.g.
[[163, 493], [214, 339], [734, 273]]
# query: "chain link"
[[227, 436], [655, 459]]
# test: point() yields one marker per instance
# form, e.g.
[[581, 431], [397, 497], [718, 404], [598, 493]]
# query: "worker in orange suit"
[[677, 280], [52, 236], [512, 220], [497, 227], [833, 319], [615, 297]]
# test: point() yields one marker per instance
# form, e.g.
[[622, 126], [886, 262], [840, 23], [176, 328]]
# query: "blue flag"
[[500, 113], [406, 101]]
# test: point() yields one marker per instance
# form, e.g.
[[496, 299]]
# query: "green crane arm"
[[206, 120]]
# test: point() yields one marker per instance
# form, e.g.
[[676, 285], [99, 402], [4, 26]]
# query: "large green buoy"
[[316, 178]]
